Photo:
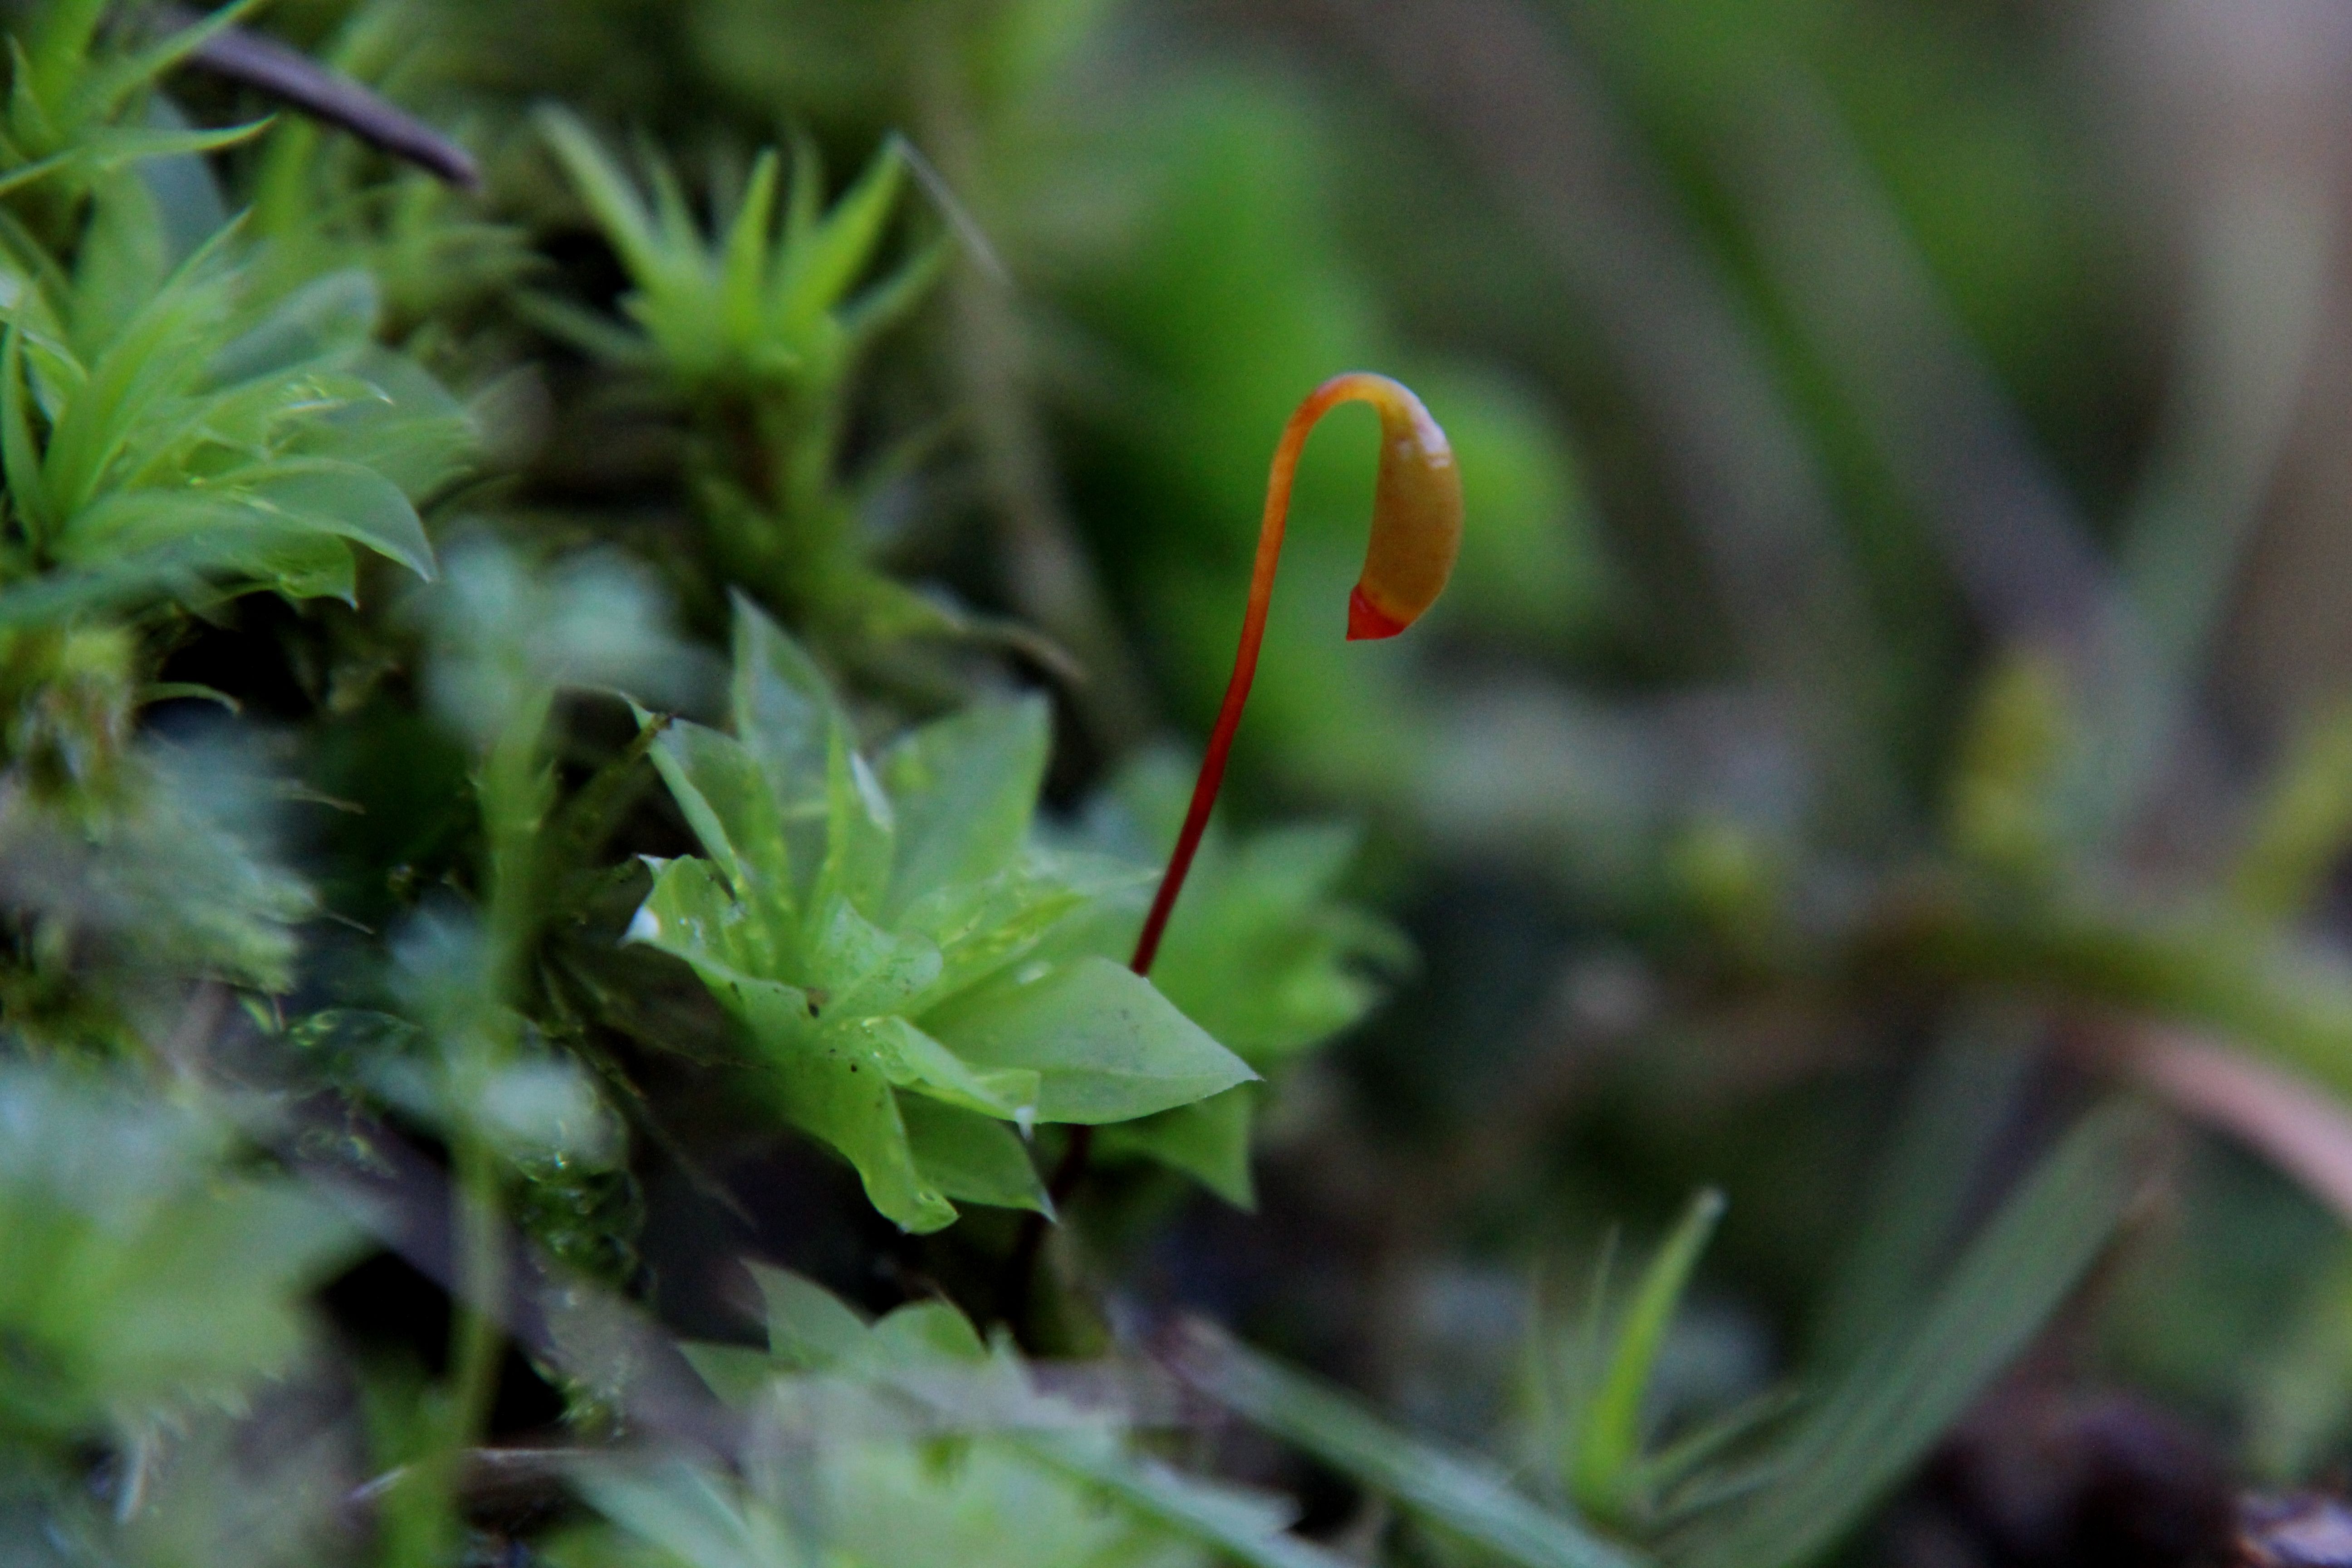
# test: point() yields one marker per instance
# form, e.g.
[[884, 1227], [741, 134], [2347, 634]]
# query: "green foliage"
[[752, 307], [910, 1443], [70, 94], [1883, 1416], [116, 1212], [1260, 953], [2301, 1393], [1606, 1372], [123, 888], [2304, 820], [758, 329], [169, 434], [1790, 1501], [189, 443], [1470, 1500], [874, 931], [321, 204], [174, 432]]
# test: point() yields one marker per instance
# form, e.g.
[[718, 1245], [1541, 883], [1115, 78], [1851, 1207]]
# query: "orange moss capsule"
[[1416, 513], [1416, 535]]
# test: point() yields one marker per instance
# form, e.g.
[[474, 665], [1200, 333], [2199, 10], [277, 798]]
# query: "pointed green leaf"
[[964, 789], [737, 1374], [852, 1106], [829, 1084], [726, 800], [1209, 1141], [1241, 1527], [144, 364], [333, 314], [742, 272], [1107, 1047], [165, 541], [784, 707], [406, 425], [912, 1059], [1465, 1496], [890, 301], [55, 376], [972, 1159], [597, 335], [351, 501], [863, 969], [981, 927], [20, 461], [805, 203], [124, 257], [103, 89], [809, 1328], [925, 1333], [1608, 1440], [684, 1512], [1962, 1100], [681, 241], [861, 833], [818, 270], [690, 914], [109, 148], [610, 200], [1260, 951]]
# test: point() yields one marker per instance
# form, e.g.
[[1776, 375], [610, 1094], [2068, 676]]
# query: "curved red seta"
[[1416, 533]]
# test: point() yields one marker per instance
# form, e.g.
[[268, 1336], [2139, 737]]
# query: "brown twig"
[[2297, 1125], [294, 79]]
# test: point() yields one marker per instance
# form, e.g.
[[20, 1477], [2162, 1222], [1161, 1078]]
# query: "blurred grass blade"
[[1464, 1496], [1682, 1479], [2299, 1392], [1957, 1104], [1880, 1419], [1609, 1438], [2302, 825]]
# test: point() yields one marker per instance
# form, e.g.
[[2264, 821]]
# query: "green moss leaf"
[[1209, 1142], [1106, 1045], [965, 788], [117, 1212], [889, 989], [971, 1158]]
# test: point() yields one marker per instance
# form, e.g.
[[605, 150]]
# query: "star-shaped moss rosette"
[[877, 931]]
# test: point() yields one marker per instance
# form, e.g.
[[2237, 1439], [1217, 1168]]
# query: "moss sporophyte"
[[1416, 535]]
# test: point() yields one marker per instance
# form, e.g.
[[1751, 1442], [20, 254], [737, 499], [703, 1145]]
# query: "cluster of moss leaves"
[[877, 931], [336, 739]]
